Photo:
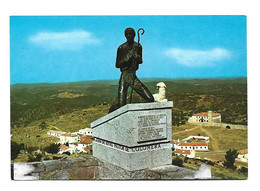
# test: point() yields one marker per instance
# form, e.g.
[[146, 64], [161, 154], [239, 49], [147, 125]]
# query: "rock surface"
[[90, 168]]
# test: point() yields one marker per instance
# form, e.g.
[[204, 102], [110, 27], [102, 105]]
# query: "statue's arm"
[[121, 59]]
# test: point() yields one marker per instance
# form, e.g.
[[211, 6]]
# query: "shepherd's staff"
[[135, 61]]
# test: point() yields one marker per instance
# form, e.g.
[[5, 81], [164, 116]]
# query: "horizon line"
[[178, 78]]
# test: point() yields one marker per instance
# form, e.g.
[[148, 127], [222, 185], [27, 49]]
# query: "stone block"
[[79, 161], [52, 165], [38, 166], [135, 137], [83, 173], [90, 161], [113, 172], [68, 163], [54, 175], [169, 172]]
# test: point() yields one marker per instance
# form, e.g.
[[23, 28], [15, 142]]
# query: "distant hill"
[[34, 102]]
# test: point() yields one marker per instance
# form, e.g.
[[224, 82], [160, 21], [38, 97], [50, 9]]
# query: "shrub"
[[53, 148], [30, 149], [210, 163], [243, 170], [177, 161], [36, 157], [67, 153]]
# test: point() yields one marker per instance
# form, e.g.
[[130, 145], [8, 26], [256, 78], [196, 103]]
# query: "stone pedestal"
[[135, 136]]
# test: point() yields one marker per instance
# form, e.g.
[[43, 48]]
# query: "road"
[[209, 153], [213, 141]]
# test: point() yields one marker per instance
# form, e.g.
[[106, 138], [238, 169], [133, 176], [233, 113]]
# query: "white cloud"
[[195, 58], [70, 40]]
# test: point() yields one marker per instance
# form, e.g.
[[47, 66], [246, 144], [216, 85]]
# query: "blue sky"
[[79, 48]]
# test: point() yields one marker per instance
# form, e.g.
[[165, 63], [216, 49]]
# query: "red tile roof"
[[193, 144], [180, 151], [64, 147], [86, 139], [69, 135], [205, 114], [87, 148], [242, 152]]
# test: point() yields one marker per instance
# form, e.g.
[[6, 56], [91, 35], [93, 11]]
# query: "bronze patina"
[[129, 56]]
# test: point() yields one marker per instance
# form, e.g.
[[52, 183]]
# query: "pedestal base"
[[135, 137], [134, 159]]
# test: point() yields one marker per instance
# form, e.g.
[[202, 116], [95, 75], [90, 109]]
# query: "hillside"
[[31, 103], [73, 106]]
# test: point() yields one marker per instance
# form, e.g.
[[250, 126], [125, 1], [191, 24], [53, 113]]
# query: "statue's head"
[[130, 34]]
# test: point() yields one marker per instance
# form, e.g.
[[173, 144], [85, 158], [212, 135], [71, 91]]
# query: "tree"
[[43, 125], [15, 149], [175, 121], [230, 157], [53, 148]]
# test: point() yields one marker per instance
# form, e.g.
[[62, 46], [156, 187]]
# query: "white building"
[[64, 149], [84, 145], [69, 138], [242, 155], [196, 137], [193, 146], [86, 131], [185, 153], [85, 142], [205, 117], [55, 133]]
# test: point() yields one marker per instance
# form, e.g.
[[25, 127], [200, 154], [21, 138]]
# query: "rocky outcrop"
[[90, 168]]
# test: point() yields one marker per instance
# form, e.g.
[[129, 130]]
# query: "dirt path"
[[55, 128], [186, 130], [212, 140]]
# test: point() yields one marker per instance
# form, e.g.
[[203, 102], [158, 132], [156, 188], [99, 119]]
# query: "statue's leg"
[[142, 90], [122, 91]]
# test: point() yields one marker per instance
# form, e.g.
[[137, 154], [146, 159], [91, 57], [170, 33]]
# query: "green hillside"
[[34, 102], [72, 106]]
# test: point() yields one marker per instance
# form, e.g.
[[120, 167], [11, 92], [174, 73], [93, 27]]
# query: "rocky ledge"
[[90, 168]]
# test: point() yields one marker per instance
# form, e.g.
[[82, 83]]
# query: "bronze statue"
[[129, 56]]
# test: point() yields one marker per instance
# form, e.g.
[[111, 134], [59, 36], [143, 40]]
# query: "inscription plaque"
[[151, 128]]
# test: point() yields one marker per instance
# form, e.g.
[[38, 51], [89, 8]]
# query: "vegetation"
[[32, 137], [38, 108], [35, 102], [35, 157], [53, 148], [15, 149], [230, 157], [177, 161], [43, 125], [243, 169], [217, 171]]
